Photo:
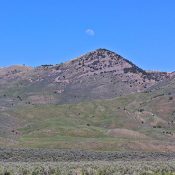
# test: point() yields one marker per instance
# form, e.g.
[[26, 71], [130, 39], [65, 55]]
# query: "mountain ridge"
[[76, 58], [100, 74]]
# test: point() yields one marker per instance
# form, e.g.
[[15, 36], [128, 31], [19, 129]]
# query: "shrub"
[[170, 98]]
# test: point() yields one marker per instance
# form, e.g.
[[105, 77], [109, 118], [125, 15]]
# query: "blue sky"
[[35, 32]]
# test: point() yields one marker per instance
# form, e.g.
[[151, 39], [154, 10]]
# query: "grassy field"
[[88, 168]]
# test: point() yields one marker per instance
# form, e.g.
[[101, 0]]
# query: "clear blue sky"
[[35, 32]]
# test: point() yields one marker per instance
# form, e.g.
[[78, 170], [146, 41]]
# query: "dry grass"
[[88, 168]]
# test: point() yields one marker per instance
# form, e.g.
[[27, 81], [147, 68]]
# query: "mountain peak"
[[103, 50], [106, 60]]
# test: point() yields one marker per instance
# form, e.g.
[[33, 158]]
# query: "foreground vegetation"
[[78, 162], [89, 168]]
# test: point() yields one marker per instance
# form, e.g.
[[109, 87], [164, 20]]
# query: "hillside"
[[100, 74], [143, 121], [99, 101]]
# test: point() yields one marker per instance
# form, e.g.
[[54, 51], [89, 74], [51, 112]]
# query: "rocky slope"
[[100, 74]]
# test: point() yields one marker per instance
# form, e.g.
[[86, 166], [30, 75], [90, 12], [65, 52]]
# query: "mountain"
[[100, 74], [98, 101]]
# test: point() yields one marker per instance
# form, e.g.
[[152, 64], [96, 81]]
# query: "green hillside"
[[142, 121]]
